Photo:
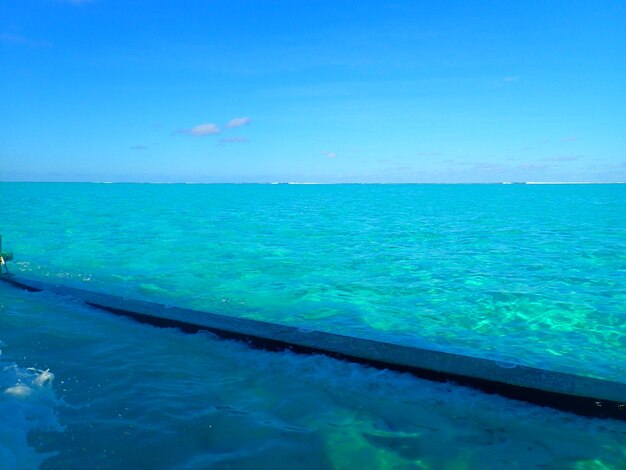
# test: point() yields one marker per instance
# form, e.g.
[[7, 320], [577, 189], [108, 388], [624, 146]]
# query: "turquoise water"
[[529, 274]]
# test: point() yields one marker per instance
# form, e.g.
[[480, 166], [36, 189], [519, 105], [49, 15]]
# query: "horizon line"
[[324, 183]]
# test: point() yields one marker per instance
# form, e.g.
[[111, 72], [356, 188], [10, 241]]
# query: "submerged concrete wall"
[[578, 394]]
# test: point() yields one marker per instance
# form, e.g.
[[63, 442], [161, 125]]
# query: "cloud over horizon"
[[238, 122], [202, 130], [210, 128]]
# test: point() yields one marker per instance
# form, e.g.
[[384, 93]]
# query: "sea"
[[527, 274]]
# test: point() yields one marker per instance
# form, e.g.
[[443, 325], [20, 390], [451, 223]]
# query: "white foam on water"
[[27, 404]]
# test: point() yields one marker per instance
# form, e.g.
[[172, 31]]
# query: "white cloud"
[[238, 122], [330, 154], [204, 129]]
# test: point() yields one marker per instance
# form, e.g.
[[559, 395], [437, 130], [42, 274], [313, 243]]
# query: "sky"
[[312, 91]]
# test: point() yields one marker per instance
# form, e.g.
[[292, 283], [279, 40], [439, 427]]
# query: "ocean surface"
[[528, 274]]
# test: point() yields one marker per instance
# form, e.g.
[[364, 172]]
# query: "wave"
[[27, 404]]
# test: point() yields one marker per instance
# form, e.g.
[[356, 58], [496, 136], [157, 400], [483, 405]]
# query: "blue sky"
[[341, 91]]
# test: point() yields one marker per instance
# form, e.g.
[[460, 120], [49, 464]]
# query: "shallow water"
[[529, 274], [134, 396]]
